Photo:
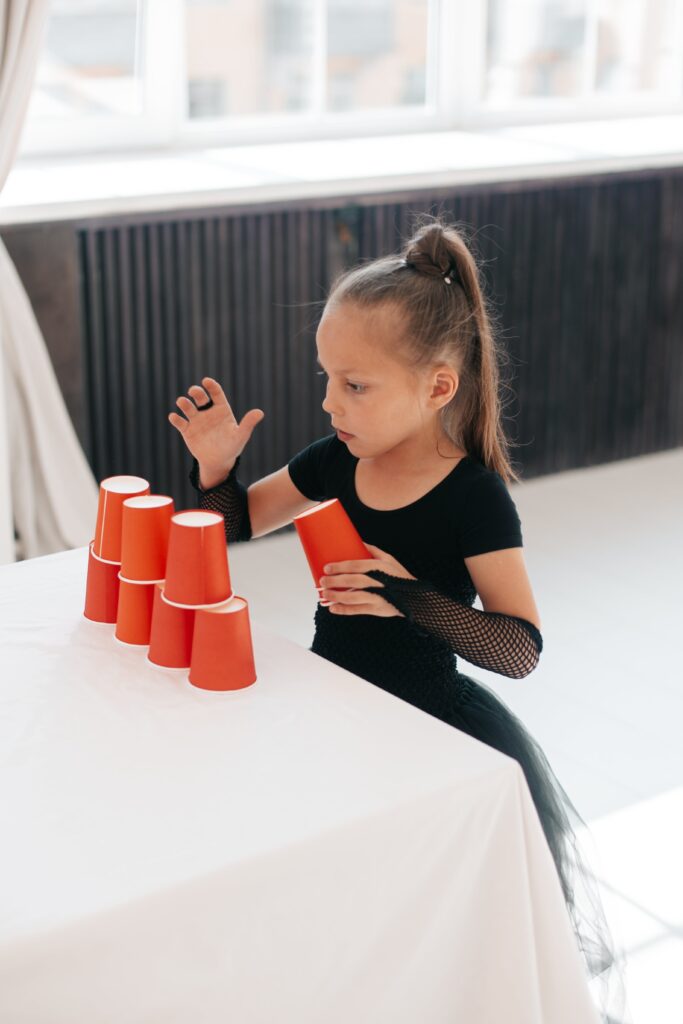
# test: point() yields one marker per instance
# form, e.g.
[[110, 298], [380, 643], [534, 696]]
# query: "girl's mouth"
[[342, 436]]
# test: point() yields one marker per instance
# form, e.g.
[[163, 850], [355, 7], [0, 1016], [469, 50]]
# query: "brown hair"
[[434, 283]]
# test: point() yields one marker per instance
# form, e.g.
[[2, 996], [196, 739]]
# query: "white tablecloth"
[[310, 849]]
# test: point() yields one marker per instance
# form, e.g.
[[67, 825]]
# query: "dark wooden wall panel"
[[585, 274]]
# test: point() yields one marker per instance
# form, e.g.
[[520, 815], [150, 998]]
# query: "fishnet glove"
[[500, 643], [229, 499]]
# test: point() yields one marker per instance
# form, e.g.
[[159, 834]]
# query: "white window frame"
[[454, 101], [162, 89], [477, 114]]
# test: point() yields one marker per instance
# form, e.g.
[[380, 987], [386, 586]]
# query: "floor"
[[604, 552]]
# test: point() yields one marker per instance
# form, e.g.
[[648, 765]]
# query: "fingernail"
[[327, 568]]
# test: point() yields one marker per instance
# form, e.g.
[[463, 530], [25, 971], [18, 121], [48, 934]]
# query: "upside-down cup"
[[134, 616], [101, 589], [145, 525], [170, 642], [222, 652], [328, 535], [197, 573], [113, 492]]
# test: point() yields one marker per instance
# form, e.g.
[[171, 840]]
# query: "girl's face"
[[375, 401]]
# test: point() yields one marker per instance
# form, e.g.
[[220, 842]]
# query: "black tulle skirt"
[[480, 713], [424, 673]]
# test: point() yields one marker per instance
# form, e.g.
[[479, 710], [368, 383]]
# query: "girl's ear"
[[444, 385]]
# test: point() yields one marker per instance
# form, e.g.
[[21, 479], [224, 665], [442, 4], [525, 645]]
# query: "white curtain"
[[47, 492]]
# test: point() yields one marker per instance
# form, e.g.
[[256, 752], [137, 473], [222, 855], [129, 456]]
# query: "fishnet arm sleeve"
[[500, 643], [229, 499]]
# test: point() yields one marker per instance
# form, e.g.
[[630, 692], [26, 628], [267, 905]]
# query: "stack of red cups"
[[104, 554], [198, 623], [145, 527], [163, 579]]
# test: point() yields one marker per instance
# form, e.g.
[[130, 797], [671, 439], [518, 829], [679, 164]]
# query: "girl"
[[419, 460]]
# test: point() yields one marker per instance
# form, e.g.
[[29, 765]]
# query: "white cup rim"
[[197, 607]]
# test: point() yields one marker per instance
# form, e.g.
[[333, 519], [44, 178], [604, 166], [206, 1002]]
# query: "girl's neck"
[[421, 454]]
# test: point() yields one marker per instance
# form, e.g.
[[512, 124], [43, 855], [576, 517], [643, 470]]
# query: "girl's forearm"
[[499, 643], [229, 499]]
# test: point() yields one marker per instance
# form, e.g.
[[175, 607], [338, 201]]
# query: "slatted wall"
[[587, 276]]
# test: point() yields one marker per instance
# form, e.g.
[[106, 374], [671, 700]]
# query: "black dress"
[[470, 512]]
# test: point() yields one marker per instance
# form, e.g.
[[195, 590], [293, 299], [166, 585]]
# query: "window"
[[127, 74], [262, 51], [579, 50], [90, 65]]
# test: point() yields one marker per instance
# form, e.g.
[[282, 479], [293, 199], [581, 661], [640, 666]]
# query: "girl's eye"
[[357, 389]]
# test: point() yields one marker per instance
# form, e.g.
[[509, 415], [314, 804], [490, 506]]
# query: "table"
[[310, 849]]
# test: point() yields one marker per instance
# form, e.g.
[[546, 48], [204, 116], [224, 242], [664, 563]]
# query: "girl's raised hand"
[[210, 431]]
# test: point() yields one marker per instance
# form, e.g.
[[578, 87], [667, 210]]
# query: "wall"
[[587, 274]]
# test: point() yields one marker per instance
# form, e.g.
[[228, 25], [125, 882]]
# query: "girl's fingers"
[[199, 395], [250, 420], [347, 597], [179, 422], [354, 580], [214, 391], [186, 406], [364, 565]]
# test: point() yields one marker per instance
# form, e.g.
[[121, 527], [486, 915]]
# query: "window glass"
[[567, 48], [248, 57], [535, 48], [376, 53], [636, 47], [91, 60]]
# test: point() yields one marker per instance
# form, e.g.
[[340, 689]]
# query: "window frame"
[[454, 100]]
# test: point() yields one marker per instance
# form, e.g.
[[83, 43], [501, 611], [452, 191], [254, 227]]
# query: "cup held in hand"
[[134, 617], [113, 492], [328, 535], [170, 643], [222, 652], [145, 526], [102, 589], [197, 573]]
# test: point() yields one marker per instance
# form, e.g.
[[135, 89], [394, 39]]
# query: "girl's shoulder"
[[478, 475], [318, 468], [487, 517]]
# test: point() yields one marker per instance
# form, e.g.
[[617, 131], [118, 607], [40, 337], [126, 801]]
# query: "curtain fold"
[[48, 494]]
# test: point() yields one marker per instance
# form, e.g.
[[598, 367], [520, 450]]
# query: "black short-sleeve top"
[[468, 513]]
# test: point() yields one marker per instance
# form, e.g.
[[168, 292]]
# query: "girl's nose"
[[328, 404]]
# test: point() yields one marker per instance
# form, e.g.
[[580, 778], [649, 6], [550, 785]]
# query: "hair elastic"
[[446, 274]]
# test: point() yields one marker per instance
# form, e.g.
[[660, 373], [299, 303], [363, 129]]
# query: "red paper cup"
[[113, 492], [134, 617], [328, 535], [170, 643], [197, 573], [102, 590], [222, 653], [145, 525]]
